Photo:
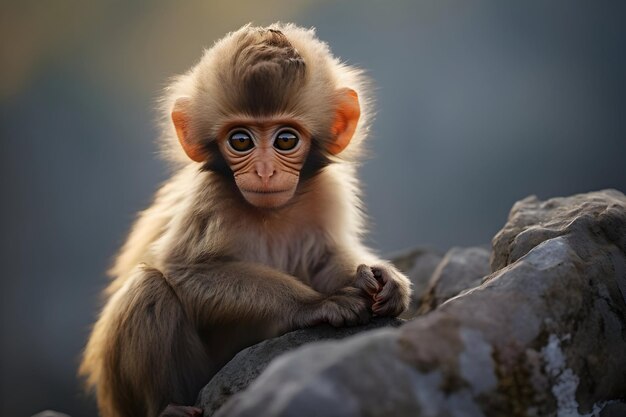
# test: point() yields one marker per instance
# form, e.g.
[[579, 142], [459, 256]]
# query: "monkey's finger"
[[366, 281], [376, 308], [387, 308], [389, 289], [394, 306], [379, 274]]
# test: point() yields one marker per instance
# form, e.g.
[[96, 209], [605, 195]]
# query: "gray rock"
[[582, 216], [418, 264], [237, 374], [460, 269], [614, 409], [544, 335]]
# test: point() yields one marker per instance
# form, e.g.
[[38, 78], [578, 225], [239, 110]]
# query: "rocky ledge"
[[539, 329]]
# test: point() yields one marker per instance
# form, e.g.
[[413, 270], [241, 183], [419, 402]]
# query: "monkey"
[[258, 231]]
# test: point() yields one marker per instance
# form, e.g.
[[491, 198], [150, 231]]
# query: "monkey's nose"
[[265, 171]]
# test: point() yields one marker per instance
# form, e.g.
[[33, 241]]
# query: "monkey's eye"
[[241, 141], [286, 140]]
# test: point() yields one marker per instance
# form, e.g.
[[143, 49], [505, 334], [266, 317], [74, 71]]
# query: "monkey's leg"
[[143, 352]]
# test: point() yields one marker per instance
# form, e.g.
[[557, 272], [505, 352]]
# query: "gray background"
[[479, 104]]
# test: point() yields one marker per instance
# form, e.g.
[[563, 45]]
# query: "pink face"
[[266, 154], [266, 157]]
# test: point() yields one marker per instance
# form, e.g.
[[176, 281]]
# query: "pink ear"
[[346, 118], [180, 117]]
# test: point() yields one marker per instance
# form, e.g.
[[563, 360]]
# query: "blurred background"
[[479, 104]]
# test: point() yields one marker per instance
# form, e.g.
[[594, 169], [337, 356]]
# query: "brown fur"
[[204, 274], [270, 71]]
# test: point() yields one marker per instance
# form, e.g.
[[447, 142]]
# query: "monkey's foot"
[[348, 306], [174, 410]]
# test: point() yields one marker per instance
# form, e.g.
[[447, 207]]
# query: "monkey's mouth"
[[266, 192], [268, 198]]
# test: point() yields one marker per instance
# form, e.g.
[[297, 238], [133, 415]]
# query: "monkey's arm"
[[220, 292], [389, 288]]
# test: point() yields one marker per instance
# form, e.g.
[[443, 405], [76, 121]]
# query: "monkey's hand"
[[349, 306], [388, 287]]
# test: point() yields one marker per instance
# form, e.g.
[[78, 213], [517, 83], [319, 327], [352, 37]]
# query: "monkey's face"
[[266, 154], [266, 157]]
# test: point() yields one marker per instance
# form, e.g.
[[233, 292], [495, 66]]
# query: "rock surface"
[[460, 269], [418, 264], [544, 335], [237, 374]]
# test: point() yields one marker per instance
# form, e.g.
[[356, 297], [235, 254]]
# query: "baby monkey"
[[257, 233]]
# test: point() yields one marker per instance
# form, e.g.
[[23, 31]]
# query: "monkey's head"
[[267, 107]]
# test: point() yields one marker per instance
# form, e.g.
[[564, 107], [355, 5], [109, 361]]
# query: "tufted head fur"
[[281, 69]]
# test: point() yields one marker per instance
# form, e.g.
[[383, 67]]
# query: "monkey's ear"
[[180, 117], [346, 118]]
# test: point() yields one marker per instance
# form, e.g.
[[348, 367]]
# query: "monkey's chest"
[[294, 254]]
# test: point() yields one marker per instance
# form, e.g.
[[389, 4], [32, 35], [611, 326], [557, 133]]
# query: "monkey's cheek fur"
[[268, 199]]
